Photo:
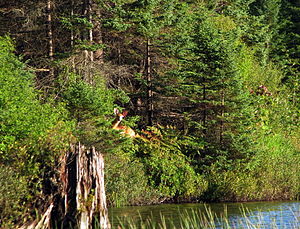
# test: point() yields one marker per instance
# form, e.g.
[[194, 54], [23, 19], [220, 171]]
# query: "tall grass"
[[207, 219]]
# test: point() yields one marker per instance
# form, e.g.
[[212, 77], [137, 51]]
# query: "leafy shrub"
[[91, 105], [12, 191], [171, 172], [276, 168], [126, 181], [23, 117], [32, 134], [271, 174], [149, 170], [83, 98]]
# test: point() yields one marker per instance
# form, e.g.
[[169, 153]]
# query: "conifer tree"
[[206, 84], [286, 47]]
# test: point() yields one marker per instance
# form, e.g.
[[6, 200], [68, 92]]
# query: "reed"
[[207, 219]]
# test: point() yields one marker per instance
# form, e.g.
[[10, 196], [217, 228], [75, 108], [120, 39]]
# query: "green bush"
[[84, 99], [13, 191], [23, 118], [271, 174], [91, 105], [276, 168], [126, 182], [170, 171], [151, 170], [32, 134]]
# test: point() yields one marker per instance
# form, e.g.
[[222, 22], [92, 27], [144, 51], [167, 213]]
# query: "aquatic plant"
[[207, 219]]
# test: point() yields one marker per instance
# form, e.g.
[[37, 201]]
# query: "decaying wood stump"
[[82, 194], [44, 222], [90, 192], [83, 187]]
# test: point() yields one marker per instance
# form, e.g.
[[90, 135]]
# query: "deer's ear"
[[125, 113], [116, 111]]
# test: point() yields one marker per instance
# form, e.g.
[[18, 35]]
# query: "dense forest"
[[211, 88]]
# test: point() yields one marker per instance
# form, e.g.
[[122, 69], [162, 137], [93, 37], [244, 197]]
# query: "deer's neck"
[[116, 123]]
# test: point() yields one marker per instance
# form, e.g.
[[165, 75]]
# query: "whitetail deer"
[[261, 90], [116, 125], [124, 129]]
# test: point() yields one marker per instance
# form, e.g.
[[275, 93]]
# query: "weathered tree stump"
[[87, 165], [90, 192], [81, 198]]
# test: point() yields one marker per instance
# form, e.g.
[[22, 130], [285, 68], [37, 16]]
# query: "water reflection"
[[259, 214]]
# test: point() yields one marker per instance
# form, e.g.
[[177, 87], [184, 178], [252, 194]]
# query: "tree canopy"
[[211, 89]]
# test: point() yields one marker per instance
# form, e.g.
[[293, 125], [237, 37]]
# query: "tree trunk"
[[50, 39], [87, 55], [150, 107], [90, 19], [204, 109], [43, 223], [222, 116], [50, 33], [72, 36], [97, 33]]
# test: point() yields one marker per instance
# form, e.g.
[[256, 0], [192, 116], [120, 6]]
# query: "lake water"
[[238, 215]]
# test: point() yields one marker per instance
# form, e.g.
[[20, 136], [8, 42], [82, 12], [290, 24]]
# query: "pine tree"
[[286, 48], [207, 86], [141, 25]]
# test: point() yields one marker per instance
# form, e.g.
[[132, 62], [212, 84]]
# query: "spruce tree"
[[207, 85]]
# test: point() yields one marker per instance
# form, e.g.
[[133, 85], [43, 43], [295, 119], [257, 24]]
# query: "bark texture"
[[81, 201]]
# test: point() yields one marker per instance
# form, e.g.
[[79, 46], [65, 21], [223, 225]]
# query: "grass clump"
[[207, 219]]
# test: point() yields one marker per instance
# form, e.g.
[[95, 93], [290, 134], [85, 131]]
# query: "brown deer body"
[[127, 131], [116, 125]]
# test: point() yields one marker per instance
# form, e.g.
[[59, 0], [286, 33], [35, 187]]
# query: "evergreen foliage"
[[214, 85]]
